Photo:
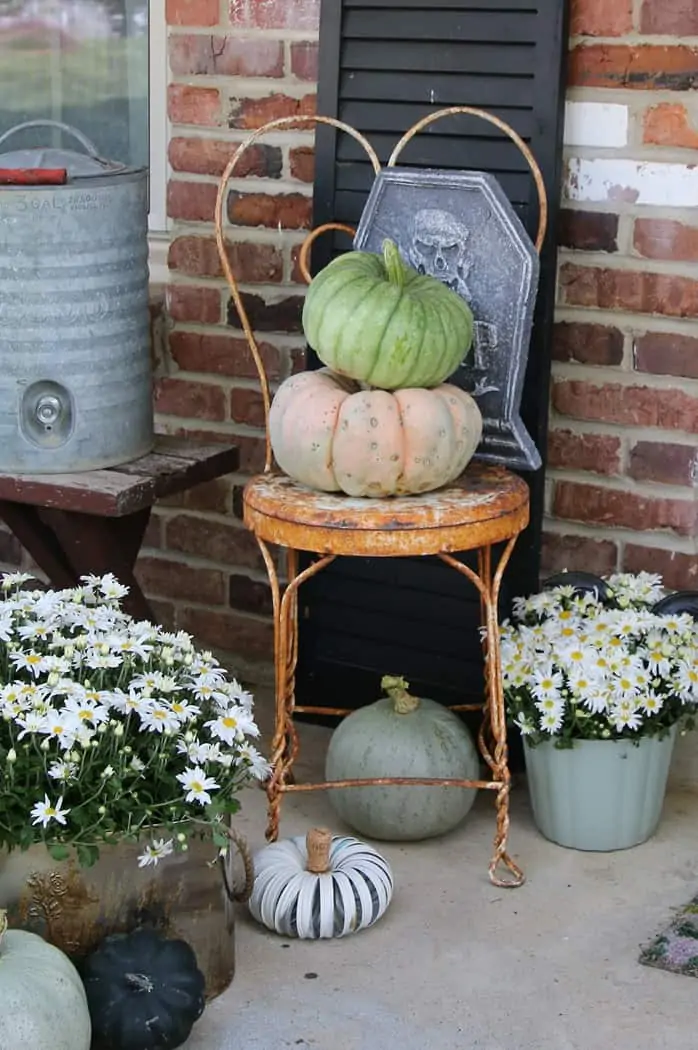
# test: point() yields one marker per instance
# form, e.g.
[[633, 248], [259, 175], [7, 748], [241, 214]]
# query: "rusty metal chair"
[[487, 505]]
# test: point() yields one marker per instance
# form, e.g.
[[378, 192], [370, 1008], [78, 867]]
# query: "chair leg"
[[498, 755], [492, 738], [284, 742]]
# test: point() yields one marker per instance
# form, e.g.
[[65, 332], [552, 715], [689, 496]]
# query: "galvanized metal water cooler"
[[75, 366]]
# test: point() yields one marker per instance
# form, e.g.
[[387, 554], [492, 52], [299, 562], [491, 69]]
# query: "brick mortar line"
[[192, 562], [627, 486], [220, 283], [249, 183], [638, 264], [245, 33], [280, 340], [236, 136], [633, 97], [619, 319], [565, 527], [224, 28], [634, 39], [642, 153], [246, 87], [254, 235], [622, 430], [590, 373], [295, 342], [184, 604], [655, 212], [221, 382], [167, 511], [224, 427]]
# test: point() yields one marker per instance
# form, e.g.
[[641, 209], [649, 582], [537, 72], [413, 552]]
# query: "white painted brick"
[[634, 181], [603, 124]]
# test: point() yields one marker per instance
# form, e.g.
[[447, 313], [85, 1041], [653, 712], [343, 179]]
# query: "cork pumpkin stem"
[[318, 842]]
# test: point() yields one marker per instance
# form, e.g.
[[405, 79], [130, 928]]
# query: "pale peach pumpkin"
[[329, 434]]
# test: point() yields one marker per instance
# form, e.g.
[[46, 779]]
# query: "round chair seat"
[[486, 505]]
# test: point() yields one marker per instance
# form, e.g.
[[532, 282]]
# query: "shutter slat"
[[513, 7], [447, 90], [453, 57], [395, 25], [386, 116]]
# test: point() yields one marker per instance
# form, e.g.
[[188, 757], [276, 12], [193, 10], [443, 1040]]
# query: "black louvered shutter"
[[384, 64]]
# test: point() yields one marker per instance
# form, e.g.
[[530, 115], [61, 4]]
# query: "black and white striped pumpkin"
[[320, 886]]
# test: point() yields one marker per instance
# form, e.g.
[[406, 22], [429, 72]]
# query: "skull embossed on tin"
[[461, 228]]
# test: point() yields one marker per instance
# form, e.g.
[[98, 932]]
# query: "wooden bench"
[[94, 522]]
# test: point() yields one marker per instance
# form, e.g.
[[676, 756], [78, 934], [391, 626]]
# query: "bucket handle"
[[243, 849], [82, 139]]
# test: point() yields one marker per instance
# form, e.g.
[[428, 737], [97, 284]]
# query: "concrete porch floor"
[[457, 964]]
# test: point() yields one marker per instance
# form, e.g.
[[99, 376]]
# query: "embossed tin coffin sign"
[[461, 228]]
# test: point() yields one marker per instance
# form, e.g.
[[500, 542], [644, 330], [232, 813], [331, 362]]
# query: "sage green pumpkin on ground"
[[43, 1000], [402, 736], [375, 319]]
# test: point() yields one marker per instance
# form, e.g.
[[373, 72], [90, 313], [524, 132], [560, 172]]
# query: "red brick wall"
[[623, 460], [625, 391], [232, 70]]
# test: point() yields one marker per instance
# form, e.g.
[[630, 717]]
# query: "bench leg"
[[99, 545], [67, 545], [39, 540]]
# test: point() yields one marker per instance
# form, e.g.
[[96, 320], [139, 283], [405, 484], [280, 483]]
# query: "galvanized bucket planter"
[[75, 359], [601, 794], [186, 895]]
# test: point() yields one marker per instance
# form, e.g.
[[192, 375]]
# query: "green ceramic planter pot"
[[601, 794]]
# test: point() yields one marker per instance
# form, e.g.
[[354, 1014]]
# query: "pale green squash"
[[375, 319], [402, 736], [44, 1006]]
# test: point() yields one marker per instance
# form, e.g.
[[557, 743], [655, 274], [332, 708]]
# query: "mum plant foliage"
[[111, 727], [579, 666]]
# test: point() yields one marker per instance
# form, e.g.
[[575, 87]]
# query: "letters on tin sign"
[[461, 228]]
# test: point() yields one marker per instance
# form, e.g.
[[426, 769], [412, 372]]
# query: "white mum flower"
[[14, 579], [158, 717], [154, 852], [551, 721], [130, 645], [30, 661], [64, 770], [197, 785], [61, 727], [209, 692], [128, 703], [110, 588], [240, 696], [232, 724], [184, 711], [596, 700], [44, 812], [687, 676], [84, 710], [35, 629], [31, 722], [651, 703], [546, 684], [626, 714], [256, 762]]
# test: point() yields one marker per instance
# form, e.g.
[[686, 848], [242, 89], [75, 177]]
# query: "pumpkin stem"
[[394, 265], [318, 842], [139, 982], [396, 688]]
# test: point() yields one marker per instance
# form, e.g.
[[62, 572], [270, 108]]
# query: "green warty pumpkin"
[[375, 319]]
